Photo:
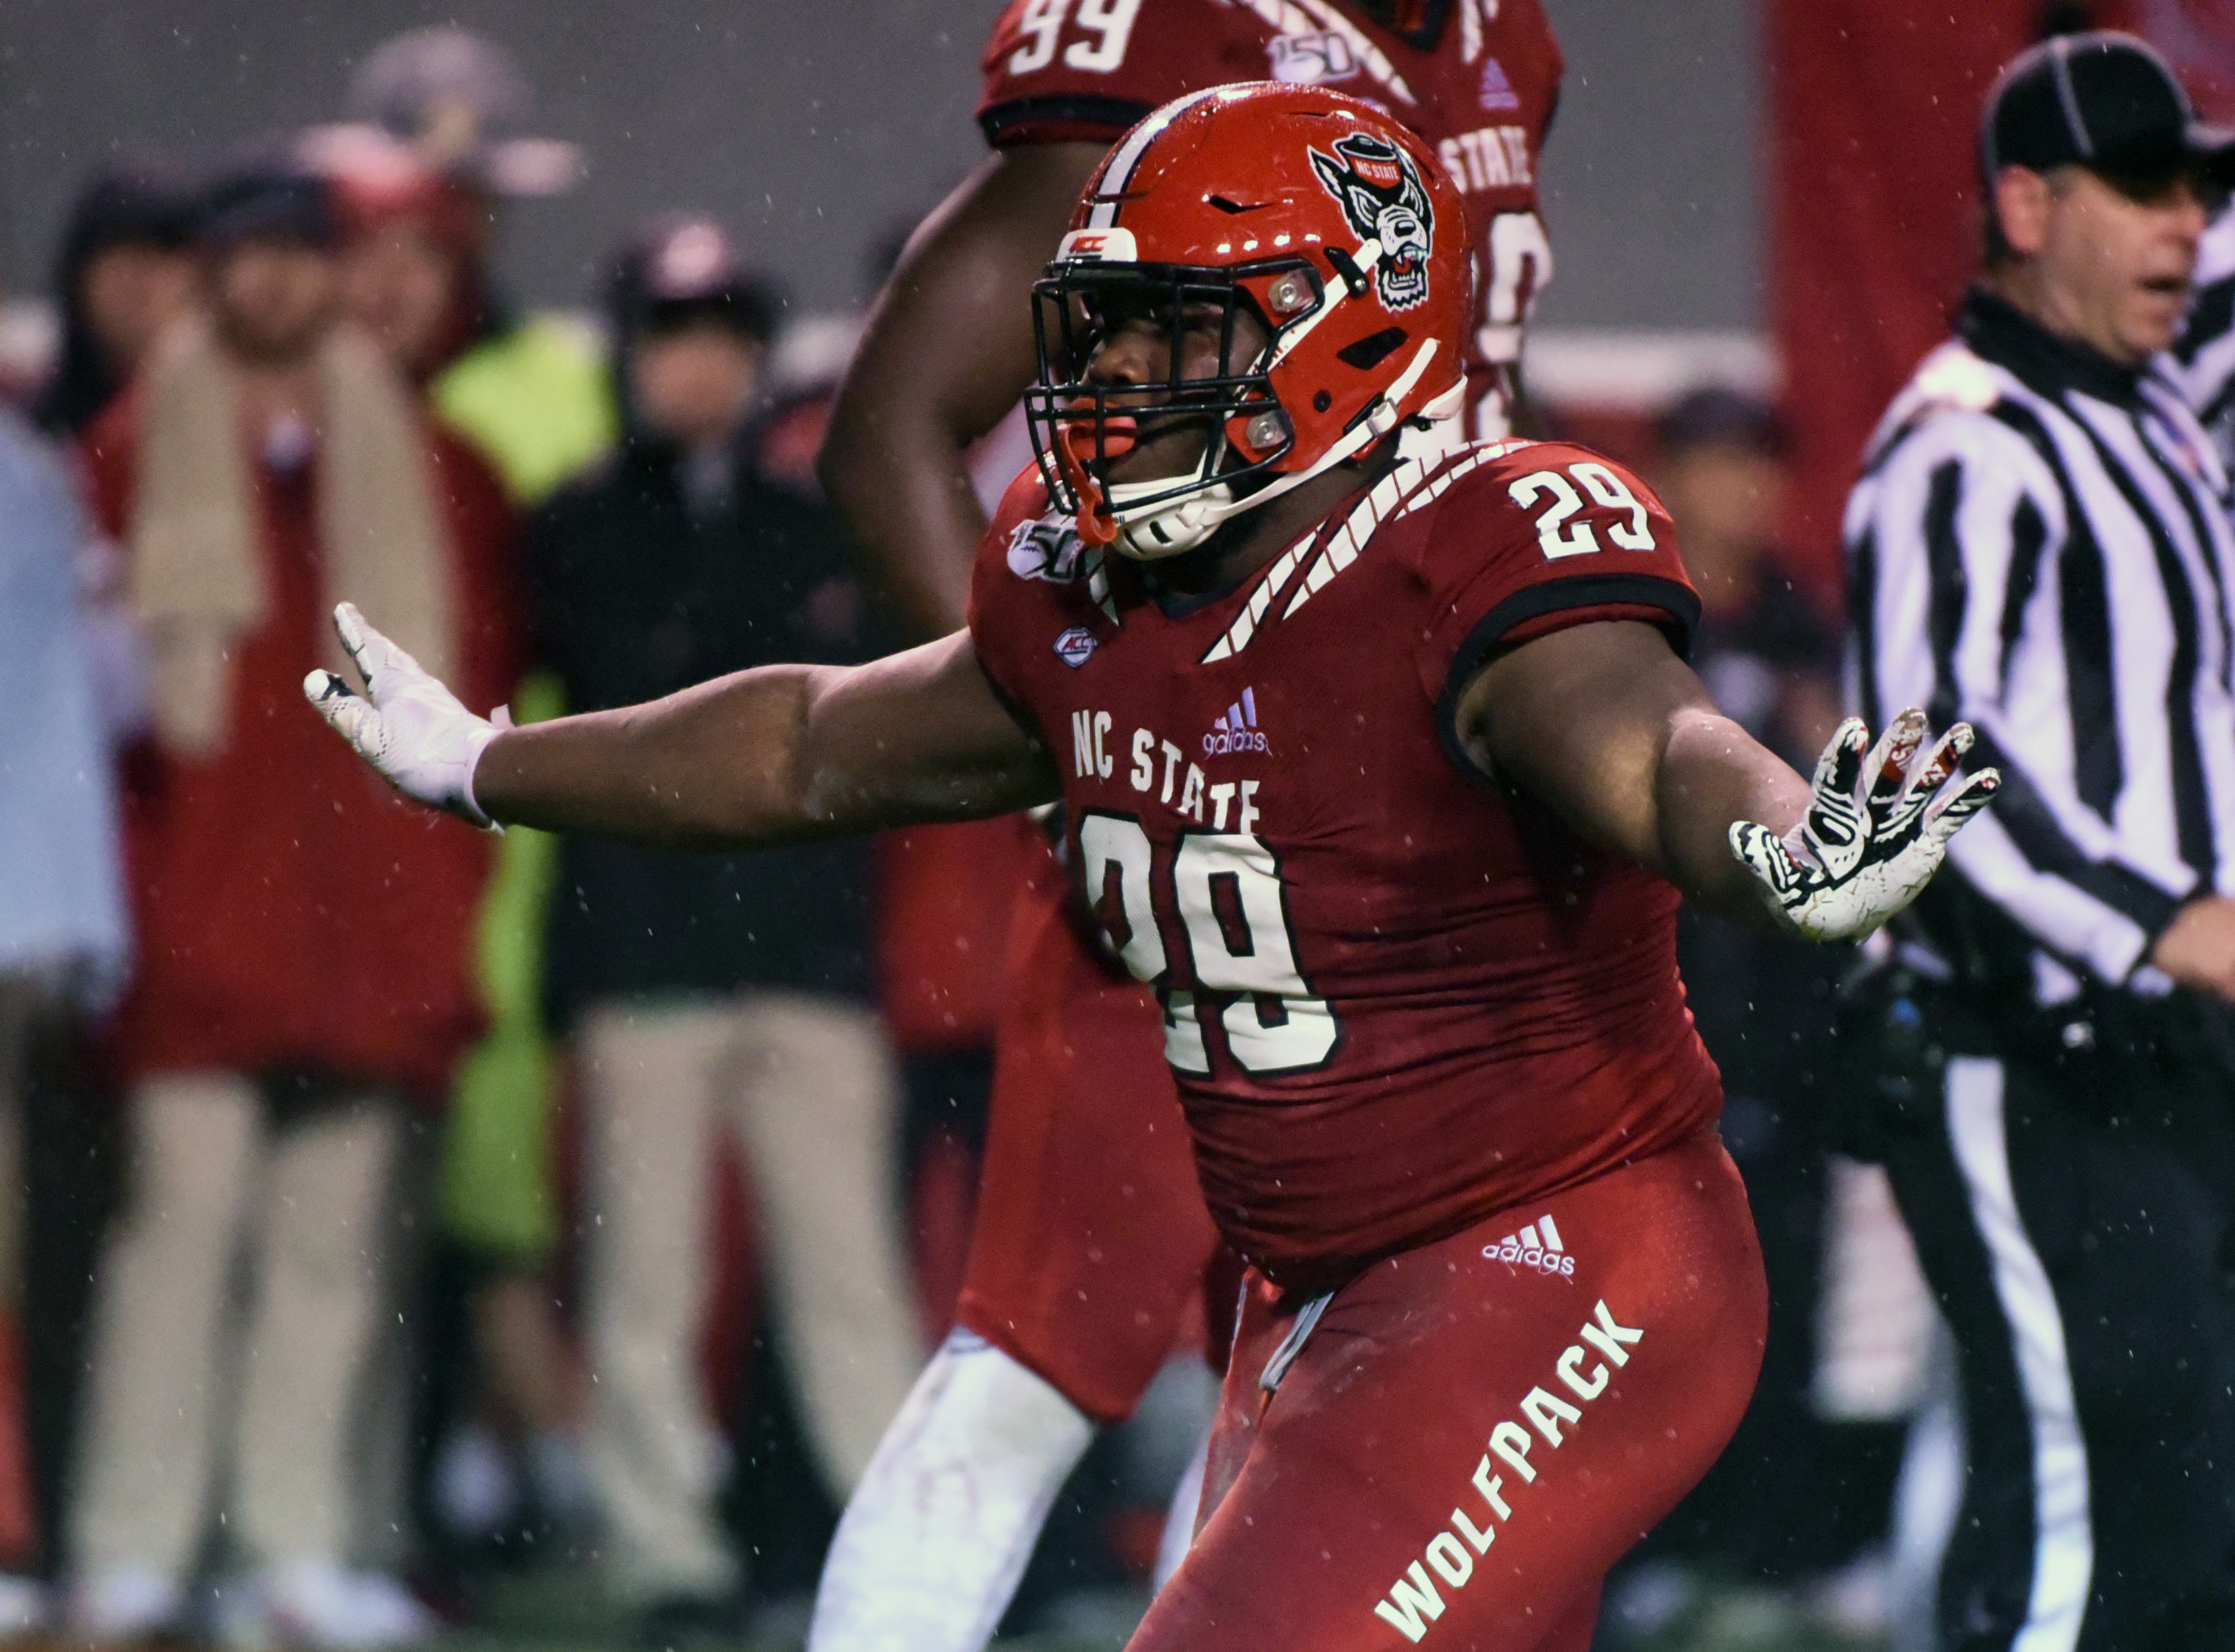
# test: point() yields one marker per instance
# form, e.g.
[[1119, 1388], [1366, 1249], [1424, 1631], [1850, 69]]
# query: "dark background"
[[816, 127]]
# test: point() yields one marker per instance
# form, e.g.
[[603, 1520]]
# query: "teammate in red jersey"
[[1091, 1234], [1414, 946]]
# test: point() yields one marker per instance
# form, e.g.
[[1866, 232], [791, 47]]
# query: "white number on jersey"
[[1294, 1030], [1554, 533], [1520, 270], [1613, 492], [1113, 21], [1112, 842], [1109, 23], [1041, 22], [1113, 848], [1233, 909]]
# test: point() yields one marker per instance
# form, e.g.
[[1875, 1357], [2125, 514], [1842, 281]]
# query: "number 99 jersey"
[[1396, 998], [1477, 79]]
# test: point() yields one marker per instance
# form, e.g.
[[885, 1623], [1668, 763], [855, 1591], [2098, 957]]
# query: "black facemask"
[[1076, 309], [1418, 23]]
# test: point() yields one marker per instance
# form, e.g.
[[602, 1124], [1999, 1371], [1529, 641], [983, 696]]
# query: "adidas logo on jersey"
[[1237, 731], [1497, 92], [1536, 1246]]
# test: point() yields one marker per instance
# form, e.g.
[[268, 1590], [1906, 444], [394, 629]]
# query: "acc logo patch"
[[1383, 197], [1113, 245], [1074, 646], [1047, 549]]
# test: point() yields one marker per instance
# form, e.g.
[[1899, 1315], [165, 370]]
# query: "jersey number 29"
[[1226, 889], [1556, 536]]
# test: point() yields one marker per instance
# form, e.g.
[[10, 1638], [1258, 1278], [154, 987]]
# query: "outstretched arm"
[[783, 754], [948, 351], [1606, 725]]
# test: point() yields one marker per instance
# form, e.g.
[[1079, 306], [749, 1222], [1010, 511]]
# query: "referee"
[[2203, 362], [2039, 543]]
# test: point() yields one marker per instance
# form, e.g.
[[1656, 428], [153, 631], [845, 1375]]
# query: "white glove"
[[1875, 832], [411, 728]]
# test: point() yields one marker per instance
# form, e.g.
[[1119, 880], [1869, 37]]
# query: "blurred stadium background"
[[1767, 198]]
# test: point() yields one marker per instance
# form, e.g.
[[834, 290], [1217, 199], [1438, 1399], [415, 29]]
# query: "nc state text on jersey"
[[1189, 791], [1490, 157]]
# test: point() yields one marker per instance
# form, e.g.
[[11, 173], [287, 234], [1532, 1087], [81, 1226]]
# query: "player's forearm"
[[776, 755], [1712, 774], [718, 766], [780, 755]]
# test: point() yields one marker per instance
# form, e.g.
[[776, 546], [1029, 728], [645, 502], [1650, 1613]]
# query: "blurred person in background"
[[125, 273], [529, 390], [412, 277], [1782, 1505], [807, 365], [279, 1022], [411, 255], [64, 939], [1723, 474], [2039, 542], [804, 370], [435, 143], [713, 993]]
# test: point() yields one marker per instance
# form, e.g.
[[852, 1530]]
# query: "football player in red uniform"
[[1091, 1235], [1410, 924], [948, 351]]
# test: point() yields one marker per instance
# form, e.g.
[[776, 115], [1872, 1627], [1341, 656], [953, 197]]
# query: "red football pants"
[[1091, 1237], [1475, 1431]]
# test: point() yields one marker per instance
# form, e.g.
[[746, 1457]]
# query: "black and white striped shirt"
[[2039, 543], [2202, 365]]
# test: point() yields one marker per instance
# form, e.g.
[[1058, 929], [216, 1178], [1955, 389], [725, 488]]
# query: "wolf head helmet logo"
[[1384, 198]]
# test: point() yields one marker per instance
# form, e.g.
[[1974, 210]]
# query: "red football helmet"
[[1317, 214]]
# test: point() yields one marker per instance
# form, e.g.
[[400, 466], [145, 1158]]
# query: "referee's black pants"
[[2075, 1225]]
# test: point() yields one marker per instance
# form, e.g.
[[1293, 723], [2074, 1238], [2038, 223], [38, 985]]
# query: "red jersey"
[[1396, 998], [291, 909], [1482, 94]]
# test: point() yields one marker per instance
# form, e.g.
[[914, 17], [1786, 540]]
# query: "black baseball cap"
[[1718, 416], [683, 269], [263, 198], [2103, 101]]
